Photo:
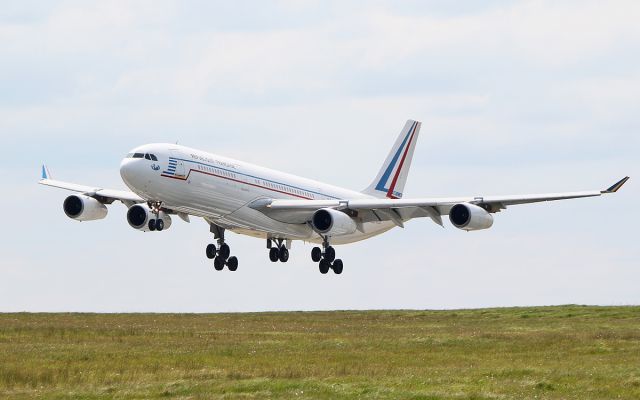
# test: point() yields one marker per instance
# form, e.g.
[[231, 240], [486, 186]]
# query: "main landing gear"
[[221, 256], [279, 252], [327, 258], [156, 224]]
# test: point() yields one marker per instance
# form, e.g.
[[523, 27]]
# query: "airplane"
[[172, 180]]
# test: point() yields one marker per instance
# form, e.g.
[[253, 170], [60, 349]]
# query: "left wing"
[[106, 196], [401, 210]]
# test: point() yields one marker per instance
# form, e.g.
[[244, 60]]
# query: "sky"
[[515, 97]]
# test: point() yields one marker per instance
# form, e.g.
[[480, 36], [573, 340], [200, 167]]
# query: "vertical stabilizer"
[[393, 175]]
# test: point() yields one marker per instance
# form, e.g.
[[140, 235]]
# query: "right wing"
[[106, 196]]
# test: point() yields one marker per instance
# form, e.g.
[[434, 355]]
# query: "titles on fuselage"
[[213, 161]]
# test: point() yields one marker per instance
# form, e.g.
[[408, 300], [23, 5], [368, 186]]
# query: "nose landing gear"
[[156, 224], [326, 258], [221, 256]]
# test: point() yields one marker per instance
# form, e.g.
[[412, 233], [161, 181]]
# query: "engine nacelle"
[[139, 216], [330, 222], [470, 217], [83, 208]]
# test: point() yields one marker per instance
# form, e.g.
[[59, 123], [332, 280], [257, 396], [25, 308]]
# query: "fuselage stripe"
[[254, 177], [235, 180]]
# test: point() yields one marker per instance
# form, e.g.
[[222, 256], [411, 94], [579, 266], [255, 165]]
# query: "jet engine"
[[330, 222], [139, 216], [84, 208], [470, 217]]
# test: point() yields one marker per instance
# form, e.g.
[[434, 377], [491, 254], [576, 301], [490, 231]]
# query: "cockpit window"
[[148, 156]]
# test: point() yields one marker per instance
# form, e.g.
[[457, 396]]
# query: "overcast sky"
[[514, 96]]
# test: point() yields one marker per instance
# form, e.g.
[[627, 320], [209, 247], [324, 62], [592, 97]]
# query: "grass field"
[[569, 352]]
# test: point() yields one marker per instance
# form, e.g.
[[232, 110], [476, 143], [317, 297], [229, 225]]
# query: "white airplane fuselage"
[[221, 189]]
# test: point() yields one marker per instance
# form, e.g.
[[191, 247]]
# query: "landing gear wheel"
[[159, 225], [337, 266], [324, 266], [284, 255], [218, 264], [152, 225], [274, 254], [211, 251], [232, 263], [224, 252], [329, 254], [316, 254]]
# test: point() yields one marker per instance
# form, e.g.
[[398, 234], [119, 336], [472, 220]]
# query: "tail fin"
[[393, 175]]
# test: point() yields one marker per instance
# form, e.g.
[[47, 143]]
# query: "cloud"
[[526, 96]]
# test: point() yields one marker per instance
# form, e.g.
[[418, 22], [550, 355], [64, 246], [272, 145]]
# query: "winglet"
[[617, 185], [45, 172]]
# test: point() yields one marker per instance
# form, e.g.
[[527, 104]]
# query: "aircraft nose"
[[126, 170]]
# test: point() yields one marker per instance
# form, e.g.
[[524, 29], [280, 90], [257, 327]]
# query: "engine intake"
[[84, 208], [139, 216], [330, 222], [470, 217]]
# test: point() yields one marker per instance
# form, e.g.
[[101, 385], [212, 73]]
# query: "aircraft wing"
[[104, 195], [401, 210]]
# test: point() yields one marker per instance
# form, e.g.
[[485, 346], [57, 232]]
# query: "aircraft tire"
[[316, 254], [337, 266], [211, 251], [324, 266], [232, 263], [218, 264], [284, 255], [224, 252], [274, 254], [159, 225], [330, 254]]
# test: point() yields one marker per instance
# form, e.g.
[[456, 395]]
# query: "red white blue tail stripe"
[[389, 183]]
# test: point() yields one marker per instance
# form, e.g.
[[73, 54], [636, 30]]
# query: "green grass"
[[569, 352]]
